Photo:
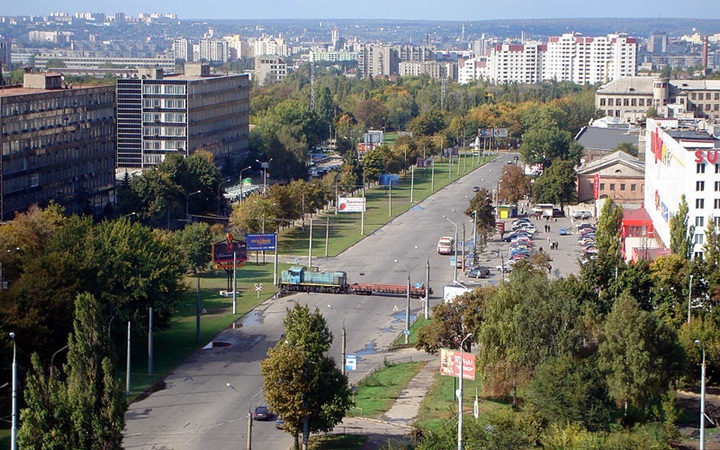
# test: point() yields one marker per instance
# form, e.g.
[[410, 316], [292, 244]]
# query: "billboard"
[[222, 252], [424, 162], [452, 360], [450, 292], [351, 204], [389, 179], [260, 242]]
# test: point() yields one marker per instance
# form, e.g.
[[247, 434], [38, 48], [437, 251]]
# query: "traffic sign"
[[407, 332], [258, 286], [350, 362]]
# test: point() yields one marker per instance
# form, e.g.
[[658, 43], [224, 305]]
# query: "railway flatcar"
[[298, 278]]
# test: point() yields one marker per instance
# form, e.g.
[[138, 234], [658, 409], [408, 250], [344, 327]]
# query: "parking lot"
[[565, 258]]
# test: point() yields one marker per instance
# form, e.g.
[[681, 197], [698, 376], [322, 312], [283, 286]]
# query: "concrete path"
[[407, 406]]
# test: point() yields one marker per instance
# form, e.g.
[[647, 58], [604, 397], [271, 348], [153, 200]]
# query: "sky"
[[465, 10]]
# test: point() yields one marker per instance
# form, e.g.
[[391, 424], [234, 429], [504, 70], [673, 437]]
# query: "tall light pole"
[[187, 202], [454, 247], [13, 432], [265, 166], [689, 297], [702, 396], [343, 343], [460, 394], [407, 303], [225, 181], [248, 441], [241, 181]]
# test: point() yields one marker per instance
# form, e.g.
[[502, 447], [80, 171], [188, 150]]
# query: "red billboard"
[[451, 361], [226, 252]]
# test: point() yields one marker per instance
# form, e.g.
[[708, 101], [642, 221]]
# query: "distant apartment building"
[[630, 98], [72, 61], [589, 60], [57, 144], [270, 69], [56, 37], [159, 115], [213, 50], [5, 55], [434, 69], [332, 56], [471, 69], [269, 45], [515, 63], [182, 49]]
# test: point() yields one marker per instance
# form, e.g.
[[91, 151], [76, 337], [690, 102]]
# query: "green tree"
[[567, 390], [427, 123], [640, 355], [557, 184], [370, 112], [514, 185], [544, 146], [302, 384], [89, 408], [680, 234], [195, 241], [627, 147], [482, 205]]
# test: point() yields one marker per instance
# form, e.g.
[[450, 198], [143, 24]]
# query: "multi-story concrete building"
[[183, 49], [630, 98], [434, 69], [377, 61], [683, 159], [159, 115], [589, 60], [57, 144], [97, 62], [515, 63], [213, 50], [269, 69]]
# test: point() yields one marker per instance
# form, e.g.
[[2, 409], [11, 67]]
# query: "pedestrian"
[[549, 228], [556, 245], [549, 240]]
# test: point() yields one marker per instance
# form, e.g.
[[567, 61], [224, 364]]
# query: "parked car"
[[563, 232], [476, 188], [478, 272], [262, 413]]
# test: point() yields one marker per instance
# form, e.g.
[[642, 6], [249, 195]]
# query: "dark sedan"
[[262, 413], [478, 272]]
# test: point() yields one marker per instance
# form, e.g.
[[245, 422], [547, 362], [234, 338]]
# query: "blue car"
[[563, 232]]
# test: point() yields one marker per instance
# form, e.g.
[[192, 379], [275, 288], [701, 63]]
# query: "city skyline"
[[375, 9]]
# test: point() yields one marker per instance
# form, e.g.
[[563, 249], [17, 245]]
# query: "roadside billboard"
[[450, 292], [452, 360], [351, 204], [260, 242], [224, 252]]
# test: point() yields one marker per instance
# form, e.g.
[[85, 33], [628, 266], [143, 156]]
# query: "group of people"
[[553, 244]]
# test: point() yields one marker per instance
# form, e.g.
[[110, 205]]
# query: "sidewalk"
[[396, 424]]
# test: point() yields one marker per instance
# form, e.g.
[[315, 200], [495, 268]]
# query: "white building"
[[682, 159], [471, 70], [515, 63]]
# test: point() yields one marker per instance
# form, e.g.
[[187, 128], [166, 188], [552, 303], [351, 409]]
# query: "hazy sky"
[[380, 9]]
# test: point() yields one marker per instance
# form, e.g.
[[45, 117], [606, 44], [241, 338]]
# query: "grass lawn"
[[440, 405], [337, 442], [376, 393], [413, 338]]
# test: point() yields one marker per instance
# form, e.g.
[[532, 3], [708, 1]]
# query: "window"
[[602, 102], [633, 187], [693, 96], [610, 102], [633, 102], [700, 168], [699, 186], [699, 203], [716, 203], [699, 238], [717, 221], [642, 102], [602, 186], [717, 186], [699, 221], [612, 186], [717, 168], [622, 186]]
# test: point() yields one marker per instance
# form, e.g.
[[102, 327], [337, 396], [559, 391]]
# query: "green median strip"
[[377, 392]]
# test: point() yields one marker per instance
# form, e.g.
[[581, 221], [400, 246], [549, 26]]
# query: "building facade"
[[683, 158], [57, 144], [270, 69], [159, 115], [618, 176]]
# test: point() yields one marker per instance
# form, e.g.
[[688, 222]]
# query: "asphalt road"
[[197, 410]]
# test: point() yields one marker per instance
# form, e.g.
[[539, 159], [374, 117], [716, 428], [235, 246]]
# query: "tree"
[[195, 241], [371, 112], [639, 355], [482, 205], [628, 148], [427, 123], [600, 272], [302, 384], [567, 390], [87, 411], [514, 185], [557, 184], [680, 234], [545, 145]]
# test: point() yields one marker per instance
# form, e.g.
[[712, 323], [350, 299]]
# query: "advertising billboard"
[[452, 360], [260, 242], [222, 252], [351, 204]]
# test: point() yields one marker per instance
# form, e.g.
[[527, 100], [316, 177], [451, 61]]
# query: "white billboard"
[[450, 292], [351, 204]]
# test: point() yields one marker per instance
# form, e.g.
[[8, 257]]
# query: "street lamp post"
[[454, 247], [13, 432], [187, 202], [702, 396], [460, 394], [225, 181], [407, 303], [265, 166], [689, 297], [241, 181], [248, 441]]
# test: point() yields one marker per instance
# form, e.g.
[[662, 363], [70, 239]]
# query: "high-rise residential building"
[[183, 49], [213, 50], [58, 143], [589, 60], [377, 61], [515, 63], [5, 55], [159, 115]]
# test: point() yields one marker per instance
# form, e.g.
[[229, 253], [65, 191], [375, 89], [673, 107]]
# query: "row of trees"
[[577, 354]]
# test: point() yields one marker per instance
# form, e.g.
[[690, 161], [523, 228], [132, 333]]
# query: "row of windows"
[[46, 103], [708, 95], [164, 131], [163, 89], [164, 117], [700, 168], [700, 221], [624, 101], [700, 203], [169, 103], [633, 187]]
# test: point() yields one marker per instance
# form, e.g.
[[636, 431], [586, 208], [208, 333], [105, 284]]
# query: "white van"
[[445, 245]]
